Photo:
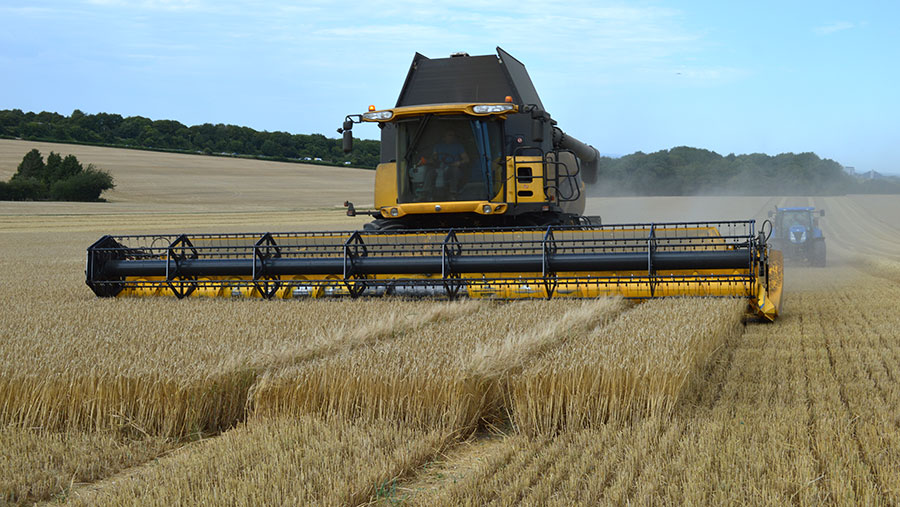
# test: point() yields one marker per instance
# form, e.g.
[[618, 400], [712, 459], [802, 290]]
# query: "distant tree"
[[63, 179], [270, 149], [54, 165], [69, 167], [22, 190], [86, 185], [31, 167]]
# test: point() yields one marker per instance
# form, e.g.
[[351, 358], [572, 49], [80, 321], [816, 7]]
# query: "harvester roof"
[[467, 79]]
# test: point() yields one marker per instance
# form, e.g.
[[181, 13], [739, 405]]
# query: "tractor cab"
[[450, 159], [797, 234]]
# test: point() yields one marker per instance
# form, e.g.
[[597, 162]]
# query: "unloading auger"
[[632, 260]]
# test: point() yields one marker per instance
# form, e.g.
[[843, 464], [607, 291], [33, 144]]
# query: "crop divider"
[[450, 248], [185, 284], [266, 248], [651, 251], [548, 249], [354, 248]]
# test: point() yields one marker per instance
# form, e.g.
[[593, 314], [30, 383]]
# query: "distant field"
[[136, 402]]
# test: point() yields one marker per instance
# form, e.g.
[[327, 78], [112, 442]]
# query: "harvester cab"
[[478, 193], [797, 234], [469, 143]]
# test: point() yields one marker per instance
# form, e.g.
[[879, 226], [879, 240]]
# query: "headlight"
[[379, 115], [493, 108], [395, 212], [486, 209]]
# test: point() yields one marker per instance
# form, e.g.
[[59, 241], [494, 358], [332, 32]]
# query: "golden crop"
[[153, 366], [124, 402], [798, 412], [637, 365], [436, 377], [38, 465], [301, 460]]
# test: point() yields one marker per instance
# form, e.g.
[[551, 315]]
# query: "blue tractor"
[[797, 234]]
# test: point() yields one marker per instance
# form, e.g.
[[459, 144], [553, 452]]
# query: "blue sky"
[[733, 77]]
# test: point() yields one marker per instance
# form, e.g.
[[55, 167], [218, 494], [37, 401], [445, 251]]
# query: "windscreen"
[[791, 218], [444, 158]]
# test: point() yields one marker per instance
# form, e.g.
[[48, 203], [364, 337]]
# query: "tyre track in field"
[[634, 472], [856, 230], [846, 365], [877, 254], [860, 202], [869, 230], [842, 390], [894, 366], [810, 419], [875, 367], [665, 442], [699, 406], [363, 336], [458, 456], [867, 368]]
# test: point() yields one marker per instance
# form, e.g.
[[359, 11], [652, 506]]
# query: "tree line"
[[59, 179], [168, 135], [689, 171], [678, 171]]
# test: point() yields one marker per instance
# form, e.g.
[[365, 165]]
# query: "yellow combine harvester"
[[478, 193]]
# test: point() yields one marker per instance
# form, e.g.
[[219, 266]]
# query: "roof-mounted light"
[[493, 108], [378, 115]]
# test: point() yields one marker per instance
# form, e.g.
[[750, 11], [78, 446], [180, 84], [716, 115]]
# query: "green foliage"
[[31, 167], [167, 135], [687, 171], [60, 179], [86, 185], [70, 167], [22, 189]]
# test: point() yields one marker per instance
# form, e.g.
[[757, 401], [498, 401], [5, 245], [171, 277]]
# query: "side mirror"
[[347, 143], [346, 131], [822, 212]]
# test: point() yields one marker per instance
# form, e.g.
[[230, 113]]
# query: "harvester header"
[[631, 260]]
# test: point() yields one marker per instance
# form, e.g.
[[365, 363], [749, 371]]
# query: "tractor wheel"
[[818, 256]]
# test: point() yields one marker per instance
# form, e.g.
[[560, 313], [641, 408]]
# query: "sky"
[[733, 77]]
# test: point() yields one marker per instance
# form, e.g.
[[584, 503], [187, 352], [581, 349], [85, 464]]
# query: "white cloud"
[[834, 27], [580, 33], [151, 5]]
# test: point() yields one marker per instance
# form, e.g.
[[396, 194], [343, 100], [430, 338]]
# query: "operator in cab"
[[447, 159]]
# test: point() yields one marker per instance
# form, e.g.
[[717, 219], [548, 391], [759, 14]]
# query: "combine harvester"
[[478, 194]]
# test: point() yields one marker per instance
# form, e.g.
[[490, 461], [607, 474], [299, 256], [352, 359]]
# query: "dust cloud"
[[862, 235]]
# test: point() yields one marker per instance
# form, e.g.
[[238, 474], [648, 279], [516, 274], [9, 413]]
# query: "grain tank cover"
[[469, 79]]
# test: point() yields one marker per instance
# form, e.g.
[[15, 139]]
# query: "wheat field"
[[339, 402]]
